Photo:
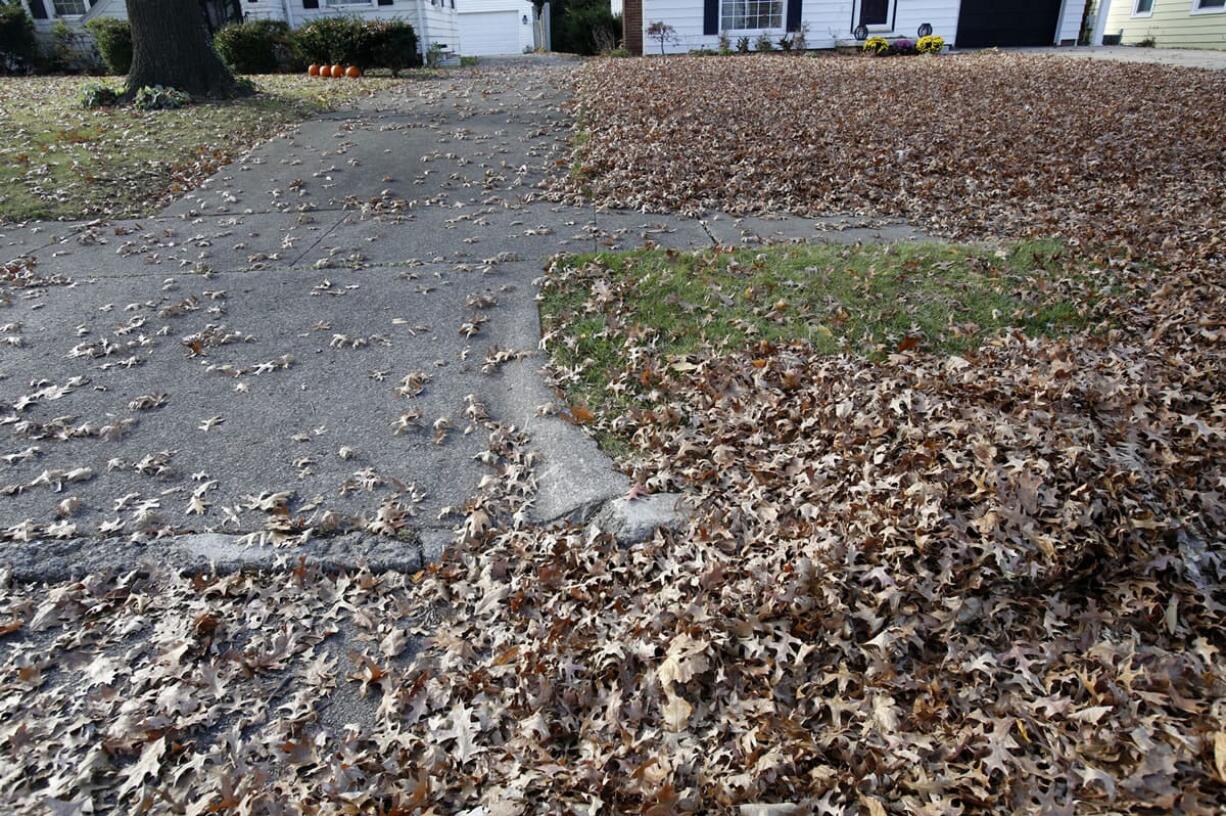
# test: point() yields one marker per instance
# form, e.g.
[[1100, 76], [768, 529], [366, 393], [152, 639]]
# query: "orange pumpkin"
[[353, 72], [313, 70], [338, 71], [325, 70]]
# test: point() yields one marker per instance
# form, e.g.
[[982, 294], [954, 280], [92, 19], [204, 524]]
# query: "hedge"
[[114, 40], [257, 47], [376, 44]]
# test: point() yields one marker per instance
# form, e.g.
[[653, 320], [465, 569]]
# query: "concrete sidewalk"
[[1178, 57]]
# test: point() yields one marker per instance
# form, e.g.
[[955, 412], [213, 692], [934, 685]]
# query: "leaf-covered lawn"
[[60, 161], [983, 145], [868, 301]]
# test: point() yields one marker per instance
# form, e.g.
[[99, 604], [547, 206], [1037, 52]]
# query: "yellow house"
[[1168, 23]]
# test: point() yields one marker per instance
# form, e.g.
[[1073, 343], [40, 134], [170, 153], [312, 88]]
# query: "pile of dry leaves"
[[981, 145], [928, 586]]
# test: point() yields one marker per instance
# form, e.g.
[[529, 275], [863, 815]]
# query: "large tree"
[[171, 47]]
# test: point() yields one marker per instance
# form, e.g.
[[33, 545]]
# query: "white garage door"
[[484, 33]]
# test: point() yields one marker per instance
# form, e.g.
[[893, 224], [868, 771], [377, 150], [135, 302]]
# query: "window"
[[348, 2], [738, 15], [1208, 6], [1143, 8], [70, 8], [875, 12]]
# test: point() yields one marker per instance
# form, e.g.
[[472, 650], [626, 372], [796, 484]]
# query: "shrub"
[[725, 44], [932, 44], [785, 43], [98, 95], [584, 27], [257, 47], [663, 33], [742, 45], [879, 46], [617, 53], [18, 48], [391, 44], [763, 43], [114, 40], [800, 38], [1148, 42], [334, 40], [157, 97]]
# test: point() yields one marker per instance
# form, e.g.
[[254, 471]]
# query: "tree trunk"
[[171, 47]]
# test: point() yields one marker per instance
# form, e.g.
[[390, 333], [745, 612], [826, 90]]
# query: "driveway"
[[308, 338], [315, 349], [1178, 57]]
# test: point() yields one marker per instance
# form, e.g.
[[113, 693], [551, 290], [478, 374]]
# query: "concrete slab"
[[173, 245], [1174, 57], [758, 230]]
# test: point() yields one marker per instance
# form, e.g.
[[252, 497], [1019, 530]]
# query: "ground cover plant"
[[62, 160]]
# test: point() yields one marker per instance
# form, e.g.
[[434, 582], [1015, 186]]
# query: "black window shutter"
[[310, 3], [386, 2], [794, 15], [37, 10], [710, 16]]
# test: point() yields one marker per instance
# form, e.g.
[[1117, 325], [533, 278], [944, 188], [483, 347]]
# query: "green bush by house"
[[18, 49], [258, 47], [114, 40], [393, 45], [376, 44]]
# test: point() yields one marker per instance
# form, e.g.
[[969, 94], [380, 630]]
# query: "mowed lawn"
[[58, 160]]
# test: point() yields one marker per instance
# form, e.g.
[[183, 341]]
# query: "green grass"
[[60, 161], [868, 301]]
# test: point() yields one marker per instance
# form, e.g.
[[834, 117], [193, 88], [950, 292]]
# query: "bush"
[[881, 47], [257, 47], [97, 95], [391, 44], [763, 43], [742, 45], [114, 40], [584, 27], [334, 40], [156, 97], [932, 44], [18, 48]]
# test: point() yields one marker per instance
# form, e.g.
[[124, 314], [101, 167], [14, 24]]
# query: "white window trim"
[[355, 4], [1196, 9], [54, 14], [877, 29], [1143, 14], [783, 22]]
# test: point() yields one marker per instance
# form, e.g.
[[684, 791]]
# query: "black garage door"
[[984, 23]]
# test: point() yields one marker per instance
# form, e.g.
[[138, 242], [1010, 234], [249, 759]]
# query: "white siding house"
[[433, 20], [831, 23]]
